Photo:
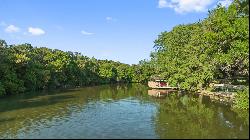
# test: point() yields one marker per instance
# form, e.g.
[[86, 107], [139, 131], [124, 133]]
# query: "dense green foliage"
[[217, 47], [25, 68]]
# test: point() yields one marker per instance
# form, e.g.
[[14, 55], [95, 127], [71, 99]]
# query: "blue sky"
[[119, 30]]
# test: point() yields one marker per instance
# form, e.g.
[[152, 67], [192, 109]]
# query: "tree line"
[[27, 68]]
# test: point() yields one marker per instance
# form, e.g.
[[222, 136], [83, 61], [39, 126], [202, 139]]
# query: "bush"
[[242, 99]]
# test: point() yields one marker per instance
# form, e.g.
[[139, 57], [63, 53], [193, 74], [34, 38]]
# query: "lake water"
[[117, 111]]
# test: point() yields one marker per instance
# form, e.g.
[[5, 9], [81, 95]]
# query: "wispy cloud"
[[12, 29], [109, 19], [162, 4], [185, 6], [86, 33], [36, 31]]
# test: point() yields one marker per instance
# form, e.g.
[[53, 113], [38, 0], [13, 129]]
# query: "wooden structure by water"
[[160, 84]]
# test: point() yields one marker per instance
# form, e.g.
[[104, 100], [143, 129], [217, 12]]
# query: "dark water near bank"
[[117, 111]]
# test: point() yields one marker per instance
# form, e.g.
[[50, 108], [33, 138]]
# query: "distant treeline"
[[27, 68]]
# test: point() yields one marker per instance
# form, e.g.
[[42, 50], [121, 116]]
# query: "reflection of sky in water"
[[115, 112]]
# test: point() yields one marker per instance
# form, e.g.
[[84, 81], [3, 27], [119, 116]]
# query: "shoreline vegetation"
[[191, 55]]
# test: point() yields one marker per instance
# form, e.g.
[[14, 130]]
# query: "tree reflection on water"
[[182, 116], [84, 111]]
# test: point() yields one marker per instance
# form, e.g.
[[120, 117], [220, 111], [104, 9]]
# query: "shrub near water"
[[241, 105], [242, 99]]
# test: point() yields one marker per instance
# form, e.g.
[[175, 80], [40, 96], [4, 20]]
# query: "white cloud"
[[162, 4], [86, 33], [225, 3], [36, 31], [184, 6], [12, 29]]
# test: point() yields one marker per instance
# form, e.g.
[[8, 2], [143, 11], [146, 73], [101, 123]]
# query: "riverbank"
[[223, 97]]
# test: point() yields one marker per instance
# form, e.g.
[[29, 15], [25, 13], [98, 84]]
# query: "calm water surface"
[[117, 111]]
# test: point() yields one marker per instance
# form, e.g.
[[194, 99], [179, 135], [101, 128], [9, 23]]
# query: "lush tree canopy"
[[217, 47]]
